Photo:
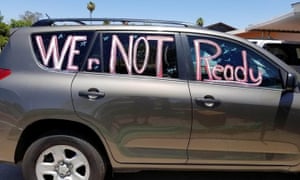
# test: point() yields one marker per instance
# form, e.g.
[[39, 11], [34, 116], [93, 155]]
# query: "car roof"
[[106, 21], [118, 24]]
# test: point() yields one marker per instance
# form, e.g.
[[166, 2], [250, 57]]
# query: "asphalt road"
[[13, 172]]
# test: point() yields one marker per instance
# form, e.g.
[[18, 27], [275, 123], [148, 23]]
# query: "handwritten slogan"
[[130, 55], [227, 72], [56, 56]]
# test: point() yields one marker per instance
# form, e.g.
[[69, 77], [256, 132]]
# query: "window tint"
[[137, 54], [61, 50], [225, 62]]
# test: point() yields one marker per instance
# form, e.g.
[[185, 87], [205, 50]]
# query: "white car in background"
[[288, 51]]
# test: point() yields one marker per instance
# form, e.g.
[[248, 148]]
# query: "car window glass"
[[136, 54], [93, 63], [63, 51], [221, 61]]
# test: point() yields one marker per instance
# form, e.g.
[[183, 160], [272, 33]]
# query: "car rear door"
[[132, 92], [236, 93]]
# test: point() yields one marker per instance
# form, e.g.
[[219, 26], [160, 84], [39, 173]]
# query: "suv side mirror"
[[290, 82]]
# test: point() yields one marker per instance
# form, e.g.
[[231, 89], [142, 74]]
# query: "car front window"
[[219, 61]]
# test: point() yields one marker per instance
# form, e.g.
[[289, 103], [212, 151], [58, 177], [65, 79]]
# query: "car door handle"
[[207, 101], [92, 94]]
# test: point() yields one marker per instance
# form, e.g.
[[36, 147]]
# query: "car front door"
[[236, 94], [131, 92]]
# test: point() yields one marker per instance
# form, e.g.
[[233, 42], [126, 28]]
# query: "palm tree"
[[106, 22], [91, 7], [200, 22]]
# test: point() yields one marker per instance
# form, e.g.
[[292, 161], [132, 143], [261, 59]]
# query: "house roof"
[[222, 27], [287, 23]]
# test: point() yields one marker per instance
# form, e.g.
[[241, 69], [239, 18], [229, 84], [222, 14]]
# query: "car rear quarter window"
[[221, 61], [61, 51], [134, 54]]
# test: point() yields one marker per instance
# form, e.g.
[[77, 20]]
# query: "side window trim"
[[90, 49], [185, 67], [189, 69]]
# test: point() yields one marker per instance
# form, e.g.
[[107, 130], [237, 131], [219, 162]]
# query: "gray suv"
[[81, 100]]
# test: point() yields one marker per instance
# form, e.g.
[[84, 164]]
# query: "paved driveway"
[[13, 172]]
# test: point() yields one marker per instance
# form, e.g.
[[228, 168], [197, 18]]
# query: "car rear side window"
[[226, 62], [61, 51], [134, 54]]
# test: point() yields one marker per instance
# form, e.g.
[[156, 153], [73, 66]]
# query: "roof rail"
[[87, 21]]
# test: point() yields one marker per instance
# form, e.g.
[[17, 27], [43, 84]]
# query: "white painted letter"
[[117, 44], [159, 52]]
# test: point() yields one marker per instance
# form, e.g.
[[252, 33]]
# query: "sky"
[[237, 13]]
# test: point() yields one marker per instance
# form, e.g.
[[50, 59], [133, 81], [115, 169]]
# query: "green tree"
[[26, 19], [106, 22], [91, 7], [200, 22], [31, 16], [19, 23], [4, 32], [1, 17]]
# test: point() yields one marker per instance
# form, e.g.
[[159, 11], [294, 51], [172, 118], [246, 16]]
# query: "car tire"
[[60, 156]]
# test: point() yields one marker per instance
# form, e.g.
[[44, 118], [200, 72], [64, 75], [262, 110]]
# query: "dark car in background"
[[83, 101]]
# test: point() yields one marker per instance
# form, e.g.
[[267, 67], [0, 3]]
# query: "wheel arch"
[[48, 127]]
